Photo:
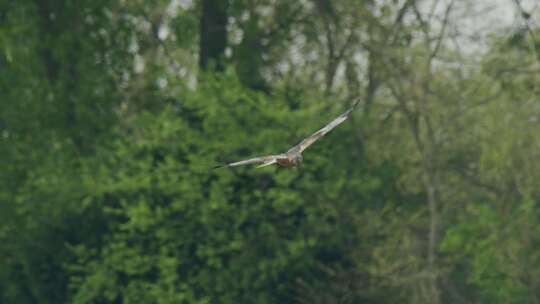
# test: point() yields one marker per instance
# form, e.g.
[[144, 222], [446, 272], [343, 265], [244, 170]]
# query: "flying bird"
[[293, 157]]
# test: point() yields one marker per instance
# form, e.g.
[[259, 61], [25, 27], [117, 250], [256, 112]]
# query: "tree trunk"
[[213, 34]]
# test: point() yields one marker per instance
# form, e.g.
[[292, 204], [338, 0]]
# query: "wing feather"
[[256, 160], [304, 144]]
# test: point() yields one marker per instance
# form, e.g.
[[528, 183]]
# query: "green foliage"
[[498, 249], [109, 134], [182, 232]]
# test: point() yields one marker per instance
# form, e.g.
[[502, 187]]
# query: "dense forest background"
[[112, 114]]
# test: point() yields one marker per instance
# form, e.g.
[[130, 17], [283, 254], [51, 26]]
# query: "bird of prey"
[[293, 156]]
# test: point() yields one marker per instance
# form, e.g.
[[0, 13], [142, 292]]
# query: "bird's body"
[[293, 157], [291, 160]]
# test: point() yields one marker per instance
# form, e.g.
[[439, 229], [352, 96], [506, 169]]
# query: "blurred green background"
[[112, 114]]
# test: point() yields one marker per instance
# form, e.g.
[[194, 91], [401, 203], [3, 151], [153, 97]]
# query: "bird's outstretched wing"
[[262, 160], [304, 144]]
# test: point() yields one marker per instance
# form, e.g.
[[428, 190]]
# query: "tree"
[[113, 113], [213, 33]]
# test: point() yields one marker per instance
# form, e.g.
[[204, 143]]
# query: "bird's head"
[[297, 159]]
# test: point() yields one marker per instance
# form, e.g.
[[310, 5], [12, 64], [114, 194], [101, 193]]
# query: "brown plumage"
[[293, 156]]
